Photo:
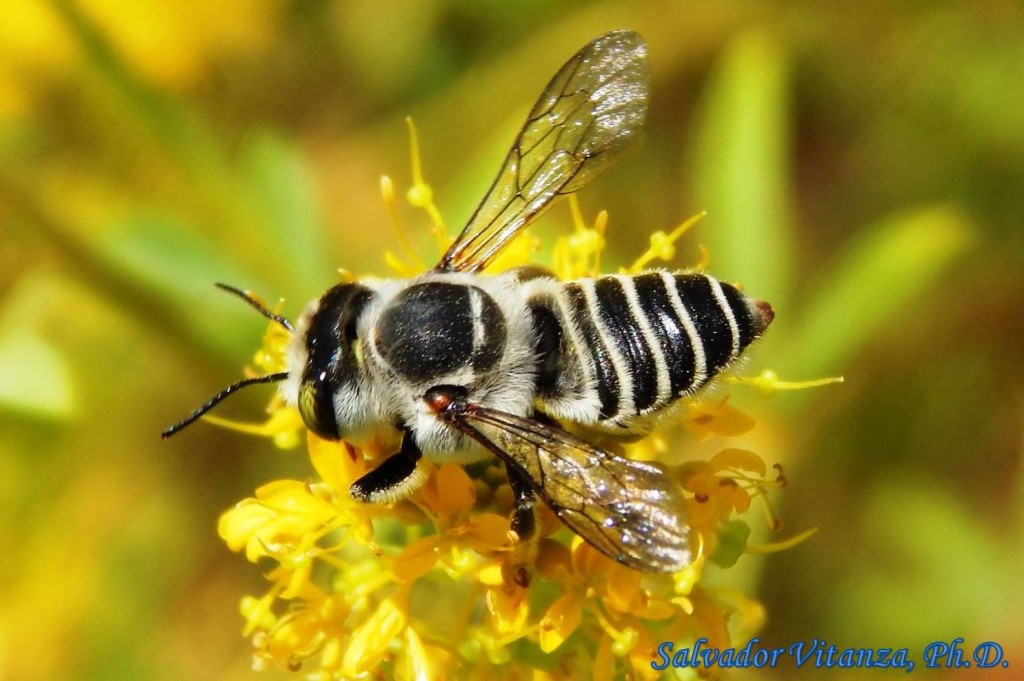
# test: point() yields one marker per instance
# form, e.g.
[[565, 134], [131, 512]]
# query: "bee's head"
[[326, 363], [260, 307]]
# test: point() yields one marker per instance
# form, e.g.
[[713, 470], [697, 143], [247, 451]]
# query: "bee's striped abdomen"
[[627, 347], [621, 318], [596, 349]]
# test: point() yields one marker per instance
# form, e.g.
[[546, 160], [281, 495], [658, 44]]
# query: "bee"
[[457, 365]]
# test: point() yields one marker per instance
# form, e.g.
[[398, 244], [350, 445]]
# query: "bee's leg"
[[523, 526], [524, 518], [394, 478]]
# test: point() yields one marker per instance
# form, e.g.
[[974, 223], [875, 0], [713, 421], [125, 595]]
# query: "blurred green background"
[[863, 170]]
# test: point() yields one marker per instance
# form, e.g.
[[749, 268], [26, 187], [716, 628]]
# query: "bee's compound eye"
[[316, 406]]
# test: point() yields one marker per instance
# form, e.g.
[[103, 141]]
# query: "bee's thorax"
[[439, 332]]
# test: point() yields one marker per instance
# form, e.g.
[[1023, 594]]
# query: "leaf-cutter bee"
[[457, 365]]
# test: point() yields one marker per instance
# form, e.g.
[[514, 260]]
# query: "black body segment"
[[548, 332], [331, 363], [624, 332], [598, 352], [709, 317], [435, 329], [741, 313], [673, 340]]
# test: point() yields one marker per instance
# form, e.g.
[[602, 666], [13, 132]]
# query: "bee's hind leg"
[[395, 478], [524, 518], [523, 526]]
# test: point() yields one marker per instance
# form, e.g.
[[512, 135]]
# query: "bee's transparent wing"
[[591, 111], [631, 511]]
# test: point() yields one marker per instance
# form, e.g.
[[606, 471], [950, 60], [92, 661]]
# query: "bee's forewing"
[[591, 111], [631, 511]]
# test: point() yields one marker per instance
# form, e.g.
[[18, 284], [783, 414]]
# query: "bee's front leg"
[[395, 478]]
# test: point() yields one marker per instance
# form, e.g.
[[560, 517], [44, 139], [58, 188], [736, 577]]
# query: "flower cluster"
[[428, 587]]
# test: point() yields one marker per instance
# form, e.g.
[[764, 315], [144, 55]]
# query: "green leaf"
[[282, 195], [875, 279], [172, 260], [741, 168], [928, 549], [34, 377]]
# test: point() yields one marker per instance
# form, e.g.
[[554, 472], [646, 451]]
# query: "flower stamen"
[[663, 245]]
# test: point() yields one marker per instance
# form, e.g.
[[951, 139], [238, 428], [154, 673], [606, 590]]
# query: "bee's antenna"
[[256, 304], [215, 400]]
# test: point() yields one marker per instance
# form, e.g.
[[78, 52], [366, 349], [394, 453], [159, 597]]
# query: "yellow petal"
[[455, 492], [421, 662], [623, 589], [487, 532], [257, 613], [740, 459], [588, 561], [291, 497], [339, 464], [642, 655], [560, 620], [417, 559], [491, 575], [509, 606], [711, 618], [237, 526], [294, 638], [717, 419], [657, 610], [734, 495], [301, 570], [701, 512], [370, 641]]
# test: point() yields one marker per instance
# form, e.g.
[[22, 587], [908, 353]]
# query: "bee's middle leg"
[[394, 478]]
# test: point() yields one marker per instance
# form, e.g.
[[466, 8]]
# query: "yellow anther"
[[421, 194], [663, 245]]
